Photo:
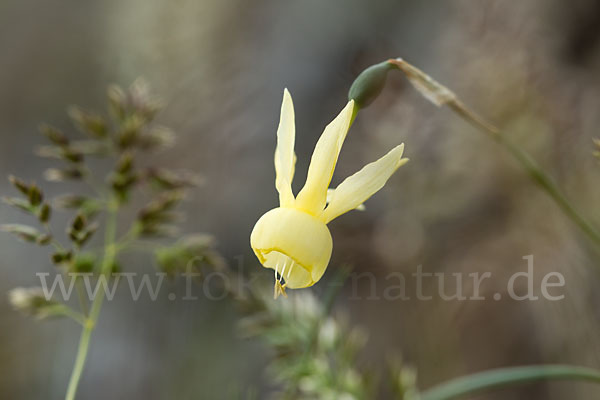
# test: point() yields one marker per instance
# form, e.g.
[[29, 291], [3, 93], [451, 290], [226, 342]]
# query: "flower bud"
[[62, 257], [89, 123], [44, 213], [35, 195], [116, 102], [369, 84], [61, 175], [19, 184], [54, 135], [84, 263]]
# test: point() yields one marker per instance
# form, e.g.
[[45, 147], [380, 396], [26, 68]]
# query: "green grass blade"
[[504, 377]]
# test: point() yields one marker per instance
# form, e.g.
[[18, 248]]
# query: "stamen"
[[279, 290]]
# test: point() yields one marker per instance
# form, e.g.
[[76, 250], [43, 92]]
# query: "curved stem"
[[441, 95], [110, 252], [550, 187], [503, 377], [130, 238], [533, 169]]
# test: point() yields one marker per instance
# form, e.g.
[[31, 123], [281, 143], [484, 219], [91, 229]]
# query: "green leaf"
[[503, 377]]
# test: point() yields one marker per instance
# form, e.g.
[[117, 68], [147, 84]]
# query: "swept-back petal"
[[284, 153], [360, 207], [313, 195], [357, 188]]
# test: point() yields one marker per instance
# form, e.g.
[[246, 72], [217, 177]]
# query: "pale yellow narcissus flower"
[[293, 239]]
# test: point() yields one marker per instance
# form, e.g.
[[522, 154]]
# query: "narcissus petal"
[[313, 195], [294, 239], [284, 152], [357, 188]]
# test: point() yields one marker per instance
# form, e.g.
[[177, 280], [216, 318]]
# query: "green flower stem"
[[441, 95], [110, 253], [498, 378], [534, 171], [550, 187], [355, 111]]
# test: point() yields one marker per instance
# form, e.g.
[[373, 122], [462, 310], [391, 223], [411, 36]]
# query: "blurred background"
[[460, 205]]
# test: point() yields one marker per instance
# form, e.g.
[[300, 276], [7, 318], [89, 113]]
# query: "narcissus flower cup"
[[293, 239]]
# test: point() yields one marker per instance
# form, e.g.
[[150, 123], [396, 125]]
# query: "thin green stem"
[[55, 243], [81, 297], [534, 171], [502, 377], [130, 238], [82, 351], [74, 315], [441, 95], [110, 252]]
